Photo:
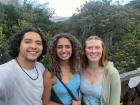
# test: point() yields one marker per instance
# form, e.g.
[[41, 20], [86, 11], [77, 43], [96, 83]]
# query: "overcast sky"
[[67, 8]]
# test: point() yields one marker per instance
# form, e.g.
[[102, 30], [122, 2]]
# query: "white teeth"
[[93, 55], [32, 52], [64, 56]]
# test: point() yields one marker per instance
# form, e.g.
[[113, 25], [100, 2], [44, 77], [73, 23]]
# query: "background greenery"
[[118, 25]]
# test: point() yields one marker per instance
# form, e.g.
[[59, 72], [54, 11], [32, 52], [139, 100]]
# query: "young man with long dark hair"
[[21, 81]]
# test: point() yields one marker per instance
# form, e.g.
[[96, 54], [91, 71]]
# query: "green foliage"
[[1, 34], [15, 17], [4, 52], [46, 57], [134, 4], [125, 53]]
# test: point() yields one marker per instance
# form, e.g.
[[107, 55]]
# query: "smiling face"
[[64, 49], [94, 50], [30, 47]]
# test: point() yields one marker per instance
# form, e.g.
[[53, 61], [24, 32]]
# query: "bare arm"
[[48, 82]]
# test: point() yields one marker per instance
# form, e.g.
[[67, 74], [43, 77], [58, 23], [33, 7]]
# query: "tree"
[[15, 17], [125, 53]]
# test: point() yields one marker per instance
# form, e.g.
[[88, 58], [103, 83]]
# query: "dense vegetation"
[[118, 25]]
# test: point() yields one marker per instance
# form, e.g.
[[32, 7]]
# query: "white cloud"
[[64, 7], [67, 8]]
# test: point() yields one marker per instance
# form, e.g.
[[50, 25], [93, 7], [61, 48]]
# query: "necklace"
[[27, 73]]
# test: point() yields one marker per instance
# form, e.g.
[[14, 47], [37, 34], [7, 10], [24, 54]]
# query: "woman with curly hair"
[[63, 76]]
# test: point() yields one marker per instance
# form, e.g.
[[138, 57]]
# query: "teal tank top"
[[73, 84]]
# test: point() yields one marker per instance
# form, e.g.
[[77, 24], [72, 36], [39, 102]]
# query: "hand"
[[76, 102]]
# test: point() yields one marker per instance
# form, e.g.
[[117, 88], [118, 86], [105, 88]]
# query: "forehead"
[[32, 36], [63, 41], [94, 42]]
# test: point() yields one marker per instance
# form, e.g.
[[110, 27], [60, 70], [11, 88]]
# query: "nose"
[[63, 49], [34, 45], [93, 50]]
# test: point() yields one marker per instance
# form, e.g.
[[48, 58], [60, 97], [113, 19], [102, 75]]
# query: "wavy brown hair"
[[54, 59], [104, 57]]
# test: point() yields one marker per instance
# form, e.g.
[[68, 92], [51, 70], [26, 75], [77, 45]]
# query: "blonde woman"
[[100, 81]]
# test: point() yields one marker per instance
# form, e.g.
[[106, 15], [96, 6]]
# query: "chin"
[[32, 59], [94, 60], [65, 59]]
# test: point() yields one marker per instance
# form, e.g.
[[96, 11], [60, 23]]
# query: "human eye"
[[27, 41], [97, 47], [90, 48], [59, 46], [39, 43], [68, 46]]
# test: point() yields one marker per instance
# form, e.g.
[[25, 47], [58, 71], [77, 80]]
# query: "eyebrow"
[[31, 39], [64, 45]]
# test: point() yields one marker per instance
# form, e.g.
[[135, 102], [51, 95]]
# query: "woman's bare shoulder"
[[48, 76]]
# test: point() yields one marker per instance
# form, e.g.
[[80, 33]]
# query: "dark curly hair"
[[15, 43], [74, 59]]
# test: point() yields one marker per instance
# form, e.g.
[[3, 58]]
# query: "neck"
[[64, 66], [93, 66], [64, 63], [25, 63]]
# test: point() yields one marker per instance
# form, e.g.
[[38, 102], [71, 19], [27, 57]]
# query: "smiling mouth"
[[33, 52], [94, 55], [64, 56]]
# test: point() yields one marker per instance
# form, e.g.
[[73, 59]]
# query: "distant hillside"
[[4, 1], [58, 19]]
